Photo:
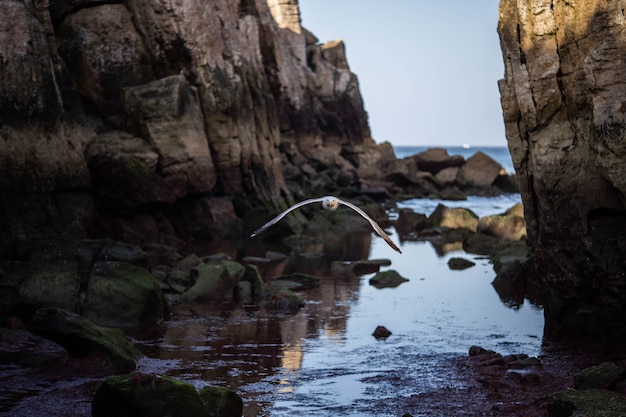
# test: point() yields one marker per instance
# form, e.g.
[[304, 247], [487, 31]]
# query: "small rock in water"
[[387, 279], [459, 264], [381, 332], [479, 350], [297, 281]]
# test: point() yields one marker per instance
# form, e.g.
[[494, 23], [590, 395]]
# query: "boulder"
[[281, 300], [451, 193], [434, 160], [586, 403], [447, 176], [410, 222], [120, 294], [55, 275], [515, 210], [606, 375], [100, 279], [480, 170], [82, 338], [454, 218], [169, 111], [178, 281], [221, 402], [481, 351], [251, 287], [188, 263], [507, 183], [216, 280], [508, 226], [147, 395], [523, 362]]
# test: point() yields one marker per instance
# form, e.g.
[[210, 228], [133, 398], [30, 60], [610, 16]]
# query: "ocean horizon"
[[499, 153]]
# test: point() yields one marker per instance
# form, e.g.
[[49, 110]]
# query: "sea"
[[499, 153], [481, 206]]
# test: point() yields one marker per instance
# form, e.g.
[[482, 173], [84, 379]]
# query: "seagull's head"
[[330, 203]]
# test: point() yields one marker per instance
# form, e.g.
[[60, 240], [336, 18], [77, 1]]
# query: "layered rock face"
[[563, 97], [160, 121]]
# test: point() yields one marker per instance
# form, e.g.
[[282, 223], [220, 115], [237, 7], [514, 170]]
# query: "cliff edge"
[[161, 121], [563, 98]]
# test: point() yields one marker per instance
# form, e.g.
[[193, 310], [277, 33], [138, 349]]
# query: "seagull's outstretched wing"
[[375, 225], [284, 213]]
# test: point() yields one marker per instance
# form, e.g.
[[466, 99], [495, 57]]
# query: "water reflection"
[[323, 359]]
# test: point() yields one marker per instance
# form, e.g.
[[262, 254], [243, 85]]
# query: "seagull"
[[330, 203]]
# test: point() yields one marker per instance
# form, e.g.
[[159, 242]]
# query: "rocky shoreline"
[[133, 131], [102, 282]]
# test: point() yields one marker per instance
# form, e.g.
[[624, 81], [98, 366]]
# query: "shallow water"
[[323, 360]]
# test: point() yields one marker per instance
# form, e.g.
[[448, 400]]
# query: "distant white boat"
[[466, 146]]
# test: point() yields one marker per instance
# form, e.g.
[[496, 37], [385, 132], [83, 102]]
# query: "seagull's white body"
[[330, 203]]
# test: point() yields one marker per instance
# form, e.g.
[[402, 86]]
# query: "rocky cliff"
[[563, 99], [160, 121]]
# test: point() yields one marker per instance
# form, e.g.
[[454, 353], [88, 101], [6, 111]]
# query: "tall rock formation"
[[564, 100], [160, 120]]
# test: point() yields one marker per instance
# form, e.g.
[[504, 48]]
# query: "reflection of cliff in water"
[[323, 359], [236, 345]]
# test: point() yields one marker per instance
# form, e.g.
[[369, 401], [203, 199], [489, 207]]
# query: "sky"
[[428, 70]]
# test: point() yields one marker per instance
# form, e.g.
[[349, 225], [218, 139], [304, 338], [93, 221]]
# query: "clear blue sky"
[[427, 70]]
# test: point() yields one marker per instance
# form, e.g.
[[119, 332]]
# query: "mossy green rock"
[[215, 280], [82, 338], [54, 275], [221, 402], [123, 295], [606, 376], [454, 218], [587, 403], [251, 286], [459, 264], [146, 395], [508, 226], [281, 300], [387, 279]]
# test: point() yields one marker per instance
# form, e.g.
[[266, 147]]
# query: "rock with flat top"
[[82, 338]]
